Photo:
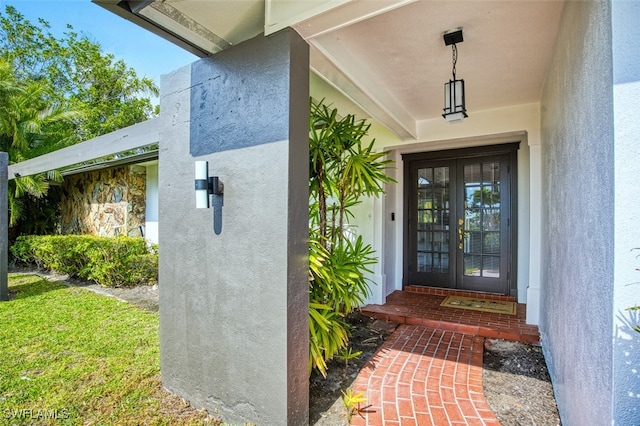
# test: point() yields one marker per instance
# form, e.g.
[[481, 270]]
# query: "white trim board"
[[129, 138]]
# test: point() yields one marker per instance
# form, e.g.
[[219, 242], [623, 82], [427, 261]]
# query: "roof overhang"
[[121, 141], [386, 56]]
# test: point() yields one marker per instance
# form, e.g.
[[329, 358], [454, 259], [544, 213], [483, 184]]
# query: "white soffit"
[[169, 18], [387, 56], [232, 20], [209, 25], [280, 14], [310, 17], [355, 88], [398, 63]]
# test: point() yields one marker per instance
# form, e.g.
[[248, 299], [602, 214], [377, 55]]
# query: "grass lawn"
[[69, 356]]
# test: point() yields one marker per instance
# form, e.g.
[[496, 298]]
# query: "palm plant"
[[29, 128], [342, 170]]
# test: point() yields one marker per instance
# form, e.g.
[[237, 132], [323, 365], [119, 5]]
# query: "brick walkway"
[[423, 376], [429, 371]]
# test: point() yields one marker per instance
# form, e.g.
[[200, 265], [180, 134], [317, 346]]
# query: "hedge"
[[110, 262]]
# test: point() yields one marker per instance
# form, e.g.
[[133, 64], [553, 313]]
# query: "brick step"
[[406, 307]]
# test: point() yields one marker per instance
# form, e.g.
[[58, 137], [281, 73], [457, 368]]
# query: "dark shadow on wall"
[[627, 368], [240, 98]]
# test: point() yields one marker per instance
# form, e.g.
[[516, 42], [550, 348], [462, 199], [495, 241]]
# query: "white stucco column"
[[379, 285], [151, 215], [535, 233]]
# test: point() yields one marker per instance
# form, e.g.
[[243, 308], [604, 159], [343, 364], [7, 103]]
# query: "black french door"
[[459, 230]]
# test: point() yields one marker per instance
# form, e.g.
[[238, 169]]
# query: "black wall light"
[[454, 102], [206, 185]]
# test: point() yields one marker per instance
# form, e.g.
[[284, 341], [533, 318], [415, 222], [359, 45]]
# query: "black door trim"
[[454, 154]]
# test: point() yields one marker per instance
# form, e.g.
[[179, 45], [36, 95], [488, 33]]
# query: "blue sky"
[[147, 53]]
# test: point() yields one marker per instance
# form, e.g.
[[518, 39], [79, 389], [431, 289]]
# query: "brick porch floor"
[[421, 306], [429, 371]]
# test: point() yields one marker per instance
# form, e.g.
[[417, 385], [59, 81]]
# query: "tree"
[[57, 92], [342, 171], [75, 71], [29, 127]]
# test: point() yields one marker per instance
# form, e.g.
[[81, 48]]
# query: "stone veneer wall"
[[107, 202]]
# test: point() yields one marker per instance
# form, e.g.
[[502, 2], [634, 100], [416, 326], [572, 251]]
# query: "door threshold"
[[439, 291]]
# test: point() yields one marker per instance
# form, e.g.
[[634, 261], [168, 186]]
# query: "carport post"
[[4, 227]]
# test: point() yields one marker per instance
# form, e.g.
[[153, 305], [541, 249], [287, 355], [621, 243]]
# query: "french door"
[[459, 230]]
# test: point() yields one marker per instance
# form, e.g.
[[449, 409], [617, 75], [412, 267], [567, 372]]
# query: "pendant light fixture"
[[454, 102]]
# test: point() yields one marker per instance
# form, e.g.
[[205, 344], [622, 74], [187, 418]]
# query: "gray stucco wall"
[[234, 299], [625, 16], [578, 184]]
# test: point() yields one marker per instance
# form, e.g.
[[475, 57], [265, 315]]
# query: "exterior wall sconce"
[[454, 102], [206, 185]]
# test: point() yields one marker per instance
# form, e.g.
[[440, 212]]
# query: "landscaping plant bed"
[[325, 396], [517, 385]]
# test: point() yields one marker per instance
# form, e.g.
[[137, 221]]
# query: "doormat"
[[484, 305]]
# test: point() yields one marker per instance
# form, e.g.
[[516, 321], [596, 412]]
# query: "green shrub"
[[343, 171], [111, 262]]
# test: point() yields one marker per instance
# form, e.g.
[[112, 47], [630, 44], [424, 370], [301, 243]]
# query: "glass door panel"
[[433, 220], [482, 219], [484, 242]]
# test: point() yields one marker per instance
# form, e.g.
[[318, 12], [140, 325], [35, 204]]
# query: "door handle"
[[460, 234]]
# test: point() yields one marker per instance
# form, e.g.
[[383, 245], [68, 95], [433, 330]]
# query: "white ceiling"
[[394, 63]]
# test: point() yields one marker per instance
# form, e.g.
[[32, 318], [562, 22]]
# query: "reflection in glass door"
[[458, 223], [433, 212], [432, 223], [481, 232], [482, 220]]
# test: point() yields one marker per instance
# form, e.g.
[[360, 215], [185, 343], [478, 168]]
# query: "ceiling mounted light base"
[[453, 37]]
